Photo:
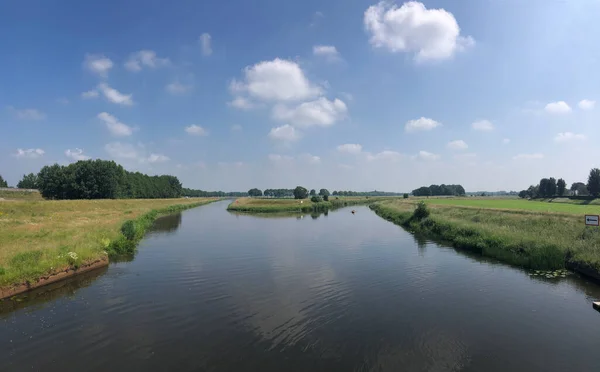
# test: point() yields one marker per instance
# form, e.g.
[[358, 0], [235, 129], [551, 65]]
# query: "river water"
[[214, 291]]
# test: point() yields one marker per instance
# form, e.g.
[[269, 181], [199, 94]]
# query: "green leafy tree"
[[29, 181], [579, 188], [324, 192], [326, 197], [300, 192], [313, 192], [255, 192], [316, 199], [593, 184], [561, 186], [3, 183], [551, 187]]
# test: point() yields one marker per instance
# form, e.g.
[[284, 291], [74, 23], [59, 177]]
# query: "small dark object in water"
[[353, 212]]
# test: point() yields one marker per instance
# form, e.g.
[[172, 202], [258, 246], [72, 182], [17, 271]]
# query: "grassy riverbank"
[[266, 205], [43, 237], [558, 205], [536, 240]]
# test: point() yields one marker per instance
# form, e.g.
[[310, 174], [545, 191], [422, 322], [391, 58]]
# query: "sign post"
[[592, 220]]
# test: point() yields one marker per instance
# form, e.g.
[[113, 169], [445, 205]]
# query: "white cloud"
[[76, 154], [350, 148], [114, 95], [276, 80], [29, 153], [422, 123], [506, 141], [285, 133], [329, 52], [241, 103], [236, 128], [310, 159], [483, 125], [586, 104], [205, 43], [276, 158], [320, 112], [425, 155], [432, 34], [457, 145], [535, 156], [28, 114], [196, 130], [385, 155], [158, 158], [176, 88], [145, 58], [568, 136], [120, 150], [115, 127], [560, 107], [90, 94], [98, 64]]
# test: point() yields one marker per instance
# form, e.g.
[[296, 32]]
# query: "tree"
[[29, 181], [579, 188], [335, 193], [324, 192], [300, 192], [551, 187], [523, 194], [255, 192], [325, 197], [543, 189], [313, 192], [561, 186], [593, 184], [3, 183]]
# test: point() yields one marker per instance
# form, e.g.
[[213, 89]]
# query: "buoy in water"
[[353, 211]]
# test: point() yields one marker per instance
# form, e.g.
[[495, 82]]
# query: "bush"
[[405, 196], [326, 197], [421, 212], [128, 230], [316, 199]]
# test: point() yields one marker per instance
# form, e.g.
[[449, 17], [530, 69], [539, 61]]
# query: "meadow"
[[45, 236], [530, 234]]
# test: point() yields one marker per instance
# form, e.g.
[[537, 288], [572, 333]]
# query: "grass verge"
[[266, 205], [40, 238], [528, 239]]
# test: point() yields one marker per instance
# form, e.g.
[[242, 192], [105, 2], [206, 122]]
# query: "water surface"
[[214, 291]]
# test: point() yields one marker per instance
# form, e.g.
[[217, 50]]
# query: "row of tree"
[[439, 190], [550, 187], [99, 179], [289, 193], [211, 194]]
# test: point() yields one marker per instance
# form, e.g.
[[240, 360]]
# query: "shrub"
[[2, 271], [326, 197], [405, 196], [128, 230], [421, 212], [316, 199]]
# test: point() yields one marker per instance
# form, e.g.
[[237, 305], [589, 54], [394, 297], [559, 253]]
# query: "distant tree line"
[[365, 193], [3, 183], [289, 193], [439, 190], [101, 179], [550, 187], [211, 194]]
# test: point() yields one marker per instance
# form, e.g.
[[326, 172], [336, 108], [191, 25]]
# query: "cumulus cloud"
[[90, 94], [431, 34], [425, 155], [241, 103], [114, 96], [483, 125], [122, 151], [28, 114], [329, 52], [176, 88], [276, 80], [421, 124], [535, 156], [145, 58], [29, 153], [285, 133], [158, 158], [350, 148], [76, 154], [560, 107], [586, 104], [196, 130], [385, 155], [98, 64], [320, 112], [568, 137], [310, 159], [205, 44], [115, 127], [457, 145]]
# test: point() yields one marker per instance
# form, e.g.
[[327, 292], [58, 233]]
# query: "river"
[[210, 290]]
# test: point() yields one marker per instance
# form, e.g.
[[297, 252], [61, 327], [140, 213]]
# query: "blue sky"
[[343, 94]]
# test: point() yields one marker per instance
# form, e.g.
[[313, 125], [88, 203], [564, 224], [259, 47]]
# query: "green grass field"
[[558, 205], [268, 205]]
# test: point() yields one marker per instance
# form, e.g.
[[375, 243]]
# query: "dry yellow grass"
[[44, 231]]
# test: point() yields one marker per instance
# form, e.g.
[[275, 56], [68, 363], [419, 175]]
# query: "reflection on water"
[[166, 224], [233, 292]]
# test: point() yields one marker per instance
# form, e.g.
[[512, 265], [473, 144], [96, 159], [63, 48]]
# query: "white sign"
[[592, 220]]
